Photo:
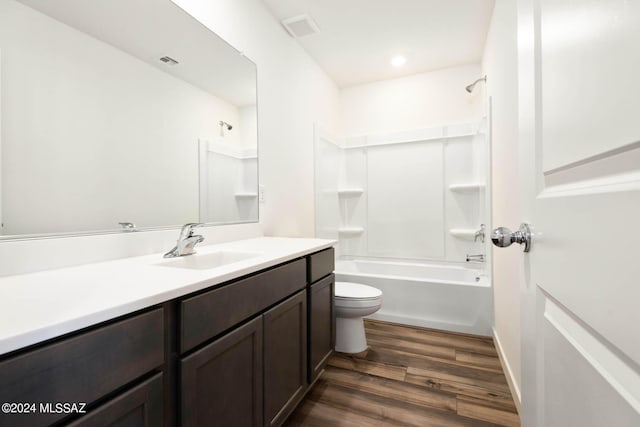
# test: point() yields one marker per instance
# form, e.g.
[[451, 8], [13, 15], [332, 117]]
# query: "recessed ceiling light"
[[398, 61]]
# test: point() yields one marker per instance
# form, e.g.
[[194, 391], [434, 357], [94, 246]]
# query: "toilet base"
[[350, 336]]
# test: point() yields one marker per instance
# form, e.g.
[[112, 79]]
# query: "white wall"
[[88, 129], [293, 94], [229, 172], [415, 102], [500, 65]]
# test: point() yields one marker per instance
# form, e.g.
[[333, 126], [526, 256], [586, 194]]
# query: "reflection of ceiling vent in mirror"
[[300, 26], [169, 61]]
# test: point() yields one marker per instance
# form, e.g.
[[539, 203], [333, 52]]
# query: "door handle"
[[503, 237]]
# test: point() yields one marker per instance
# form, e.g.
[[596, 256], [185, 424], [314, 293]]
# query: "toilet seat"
[[356, 291]]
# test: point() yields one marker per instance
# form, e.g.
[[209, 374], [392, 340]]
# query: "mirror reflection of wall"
[[96, 130], [229, 171]]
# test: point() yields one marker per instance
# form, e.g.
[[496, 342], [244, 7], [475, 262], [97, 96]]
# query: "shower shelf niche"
[[350, 192], [350, 231], [466, 188], [463, 233]]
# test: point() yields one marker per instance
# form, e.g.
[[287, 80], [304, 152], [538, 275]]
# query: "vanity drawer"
[[83, 368], [207, 315], [321, 264]]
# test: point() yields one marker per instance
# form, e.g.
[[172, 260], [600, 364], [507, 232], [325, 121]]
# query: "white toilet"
[[353, 301]]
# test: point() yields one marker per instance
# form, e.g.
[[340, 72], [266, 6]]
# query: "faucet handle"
[[187, 229]]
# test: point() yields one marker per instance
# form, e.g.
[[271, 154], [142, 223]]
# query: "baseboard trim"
[[513, 385]]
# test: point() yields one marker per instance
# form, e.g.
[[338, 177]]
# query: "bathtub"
[[453, 298]]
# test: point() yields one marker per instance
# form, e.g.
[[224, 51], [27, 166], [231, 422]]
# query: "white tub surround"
[[450, 297], [39, 306], [415, 194]]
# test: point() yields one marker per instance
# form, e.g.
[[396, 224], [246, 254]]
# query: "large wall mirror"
[[121, 111]]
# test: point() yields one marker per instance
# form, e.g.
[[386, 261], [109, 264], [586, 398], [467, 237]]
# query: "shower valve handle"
[[503, 237]]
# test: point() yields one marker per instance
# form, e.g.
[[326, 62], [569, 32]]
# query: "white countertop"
[[38, 306]]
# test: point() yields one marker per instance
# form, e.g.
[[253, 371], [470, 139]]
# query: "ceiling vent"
[[169, 61], [300, 26]]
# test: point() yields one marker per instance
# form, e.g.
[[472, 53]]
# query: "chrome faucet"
[[476, 258], [186, 241], [479, 234]]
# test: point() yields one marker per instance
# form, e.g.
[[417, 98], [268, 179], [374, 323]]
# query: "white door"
[[579, 118]]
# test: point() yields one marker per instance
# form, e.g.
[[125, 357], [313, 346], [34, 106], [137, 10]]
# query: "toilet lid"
[[356, 291]]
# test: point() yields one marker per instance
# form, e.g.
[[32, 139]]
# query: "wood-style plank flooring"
[[411, 376]]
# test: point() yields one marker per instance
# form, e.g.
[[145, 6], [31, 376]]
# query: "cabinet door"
[[322, 326], [222, 382], [138, 407], [285, 358]]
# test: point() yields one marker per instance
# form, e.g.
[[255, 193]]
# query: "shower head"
[[224, 125], [472, 85]]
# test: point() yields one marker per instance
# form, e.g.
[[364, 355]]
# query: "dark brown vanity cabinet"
[[254, 370], [241, 353], [106, 363], [321, 320], [261, 362]]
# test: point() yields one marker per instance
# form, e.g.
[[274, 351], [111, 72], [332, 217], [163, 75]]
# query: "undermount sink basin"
[[206, 261]]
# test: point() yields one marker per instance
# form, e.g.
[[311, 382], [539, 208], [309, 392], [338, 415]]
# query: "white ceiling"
[[358, 38], [150, 29]]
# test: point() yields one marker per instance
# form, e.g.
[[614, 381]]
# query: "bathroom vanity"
[[233, 335], [235, 344]]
